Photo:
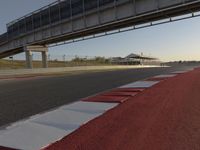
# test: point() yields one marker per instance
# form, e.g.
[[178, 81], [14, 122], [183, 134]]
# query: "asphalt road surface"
[[22, 98]]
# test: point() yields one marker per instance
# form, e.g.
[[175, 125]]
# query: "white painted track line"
[[89, 107], [165, 76], [31, 136], [140, 84], [65, 119], [41, 130]]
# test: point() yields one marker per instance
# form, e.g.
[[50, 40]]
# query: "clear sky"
[[172, 41]]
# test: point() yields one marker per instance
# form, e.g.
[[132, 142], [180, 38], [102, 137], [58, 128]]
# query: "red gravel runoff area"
[[164, 117]]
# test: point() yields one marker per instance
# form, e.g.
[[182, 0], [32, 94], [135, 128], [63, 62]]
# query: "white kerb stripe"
[[31, 136], [90, 107], [65, 119], [43, 129], [140, 84], [165, 76]]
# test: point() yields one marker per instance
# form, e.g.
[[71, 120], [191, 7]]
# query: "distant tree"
[[77, 59]]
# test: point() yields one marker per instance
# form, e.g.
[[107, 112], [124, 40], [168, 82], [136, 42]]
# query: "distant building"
[[134, 59]]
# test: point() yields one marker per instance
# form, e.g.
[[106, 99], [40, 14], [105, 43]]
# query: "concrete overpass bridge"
[[67, 20]]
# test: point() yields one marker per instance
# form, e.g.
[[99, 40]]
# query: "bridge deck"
[[108, 16]]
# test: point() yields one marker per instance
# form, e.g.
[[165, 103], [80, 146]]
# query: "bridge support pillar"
[[36, 48], [44, 59], [29, 58]]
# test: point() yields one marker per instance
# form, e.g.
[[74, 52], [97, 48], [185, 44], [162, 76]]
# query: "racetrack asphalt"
[[165, 116], [22, 98]]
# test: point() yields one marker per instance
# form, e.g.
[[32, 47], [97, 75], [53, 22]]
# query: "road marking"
[[90, 107], [31, 136], [165, 76], [140, 84], [65, 119]]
